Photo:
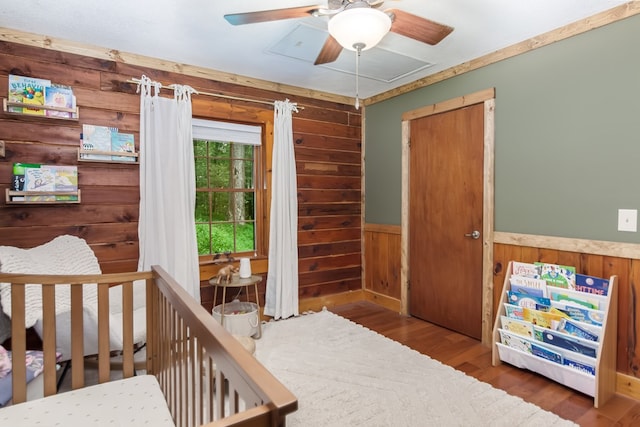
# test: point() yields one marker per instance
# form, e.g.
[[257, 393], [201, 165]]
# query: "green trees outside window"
[[225, 213]]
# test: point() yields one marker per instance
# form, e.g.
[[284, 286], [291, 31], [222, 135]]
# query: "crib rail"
[[207, 377]]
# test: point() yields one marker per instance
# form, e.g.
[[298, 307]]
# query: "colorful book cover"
[[27, 90], [546, 353], [541, 318], [40, 179], [517, 326], [528, 285], [66, 180], [578, 365], [564, 341], [123, 142], [571, 328], [59, 96], [515, 341], [97, 138], [524, 300], [525, 269], [561, 276], [513, 311], [580, 314], [575, 299], [592, 285], [17, 180]]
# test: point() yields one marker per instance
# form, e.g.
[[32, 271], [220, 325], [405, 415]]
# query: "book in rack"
[[566, 331]]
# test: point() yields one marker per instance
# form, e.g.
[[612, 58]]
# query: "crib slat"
[[127, 329], [49, 338], [103, 333], [77, 340], [18, 343]]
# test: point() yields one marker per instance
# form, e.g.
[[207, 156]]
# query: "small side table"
[[237, 282]]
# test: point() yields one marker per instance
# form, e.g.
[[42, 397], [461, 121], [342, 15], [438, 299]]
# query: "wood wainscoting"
[[382, 285]]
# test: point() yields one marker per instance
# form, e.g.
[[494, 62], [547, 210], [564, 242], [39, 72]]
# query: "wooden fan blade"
[[330, 51], [418, 28], [270, 15]]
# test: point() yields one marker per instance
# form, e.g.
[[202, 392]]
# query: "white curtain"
[[166, 227], [282, 280]]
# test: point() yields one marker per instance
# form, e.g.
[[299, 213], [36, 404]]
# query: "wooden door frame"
[[488, 98]]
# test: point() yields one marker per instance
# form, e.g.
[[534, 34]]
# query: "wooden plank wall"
[[381, 260], [327, 139]]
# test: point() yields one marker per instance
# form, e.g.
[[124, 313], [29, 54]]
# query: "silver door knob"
[[475, 234]]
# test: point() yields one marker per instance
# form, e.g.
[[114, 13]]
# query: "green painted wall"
[[567, 143]]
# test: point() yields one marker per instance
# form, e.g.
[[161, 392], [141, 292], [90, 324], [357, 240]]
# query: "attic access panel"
[[305, 42]]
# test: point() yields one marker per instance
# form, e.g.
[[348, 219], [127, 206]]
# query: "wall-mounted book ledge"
[[37, 110], [41, 197], [107, 156]]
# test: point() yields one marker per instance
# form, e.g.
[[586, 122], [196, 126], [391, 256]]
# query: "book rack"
[[6, 104], [602, 385], [11, 195], [82, 156]]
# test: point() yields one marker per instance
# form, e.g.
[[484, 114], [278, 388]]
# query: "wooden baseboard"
[[628, 386], [383, 300]]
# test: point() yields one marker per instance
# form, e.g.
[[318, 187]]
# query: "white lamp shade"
[[359, 26]]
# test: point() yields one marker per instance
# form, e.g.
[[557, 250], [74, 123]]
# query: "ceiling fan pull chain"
[[358, 47]]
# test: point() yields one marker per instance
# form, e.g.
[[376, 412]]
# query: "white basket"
[[240, 317]]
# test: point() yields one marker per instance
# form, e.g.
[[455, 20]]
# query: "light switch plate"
[[628, 220]]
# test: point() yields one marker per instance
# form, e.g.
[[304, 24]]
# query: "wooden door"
[[445, 219]]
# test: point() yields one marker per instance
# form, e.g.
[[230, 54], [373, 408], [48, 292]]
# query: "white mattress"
[[134, 401]]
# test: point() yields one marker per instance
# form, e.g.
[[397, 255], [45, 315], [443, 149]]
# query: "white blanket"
[[136, 401], [62, 255]]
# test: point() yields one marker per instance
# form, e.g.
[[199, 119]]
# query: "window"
[[229, 187]]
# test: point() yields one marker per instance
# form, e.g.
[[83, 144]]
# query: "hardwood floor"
[[471, 357]]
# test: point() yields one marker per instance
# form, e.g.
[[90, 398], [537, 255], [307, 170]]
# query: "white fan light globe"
[[359, 26]]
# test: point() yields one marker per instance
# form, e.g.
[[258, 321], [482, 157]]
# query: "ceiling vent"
[[305, 42]]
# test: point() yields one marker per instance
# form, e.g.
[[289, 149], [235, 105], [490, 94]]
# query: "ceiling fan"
[[348, 31]]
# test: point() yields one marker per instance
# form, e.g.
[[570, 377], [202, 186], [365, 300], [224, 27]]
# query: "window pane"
[[202, 206], [204, 239], [242, 174], [221, 207], [219, 176], [246, 237], [201, 172], [248, 199], [222, 238], [199, 148]]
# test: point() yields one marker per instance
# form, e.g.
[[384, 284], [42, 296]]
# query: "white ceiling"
[[194, 32]]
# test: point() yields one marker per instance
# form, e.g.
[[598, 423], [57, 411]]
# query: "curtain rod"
[[219, 95]]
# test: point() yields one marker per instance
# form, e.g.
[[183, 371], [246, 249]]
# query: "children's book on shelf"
[[541, 318], [525, 269], [17, 179], [591, 284], [123, 142], [546, 353], [528, 285], [525, 300], [578, 299], [515, 341], [97, 138], [34, 177], [513, 311], [28, 90], [572, 328], [580, 314], [571, 361], [558, 339], [517, 326], [561, 276], [59, 96]]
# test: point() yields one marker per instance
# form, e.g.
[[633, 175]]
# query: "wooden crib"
[[206, 376]]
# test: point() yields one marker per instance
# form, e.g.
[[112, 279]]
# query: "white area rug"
[[346, 375]]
